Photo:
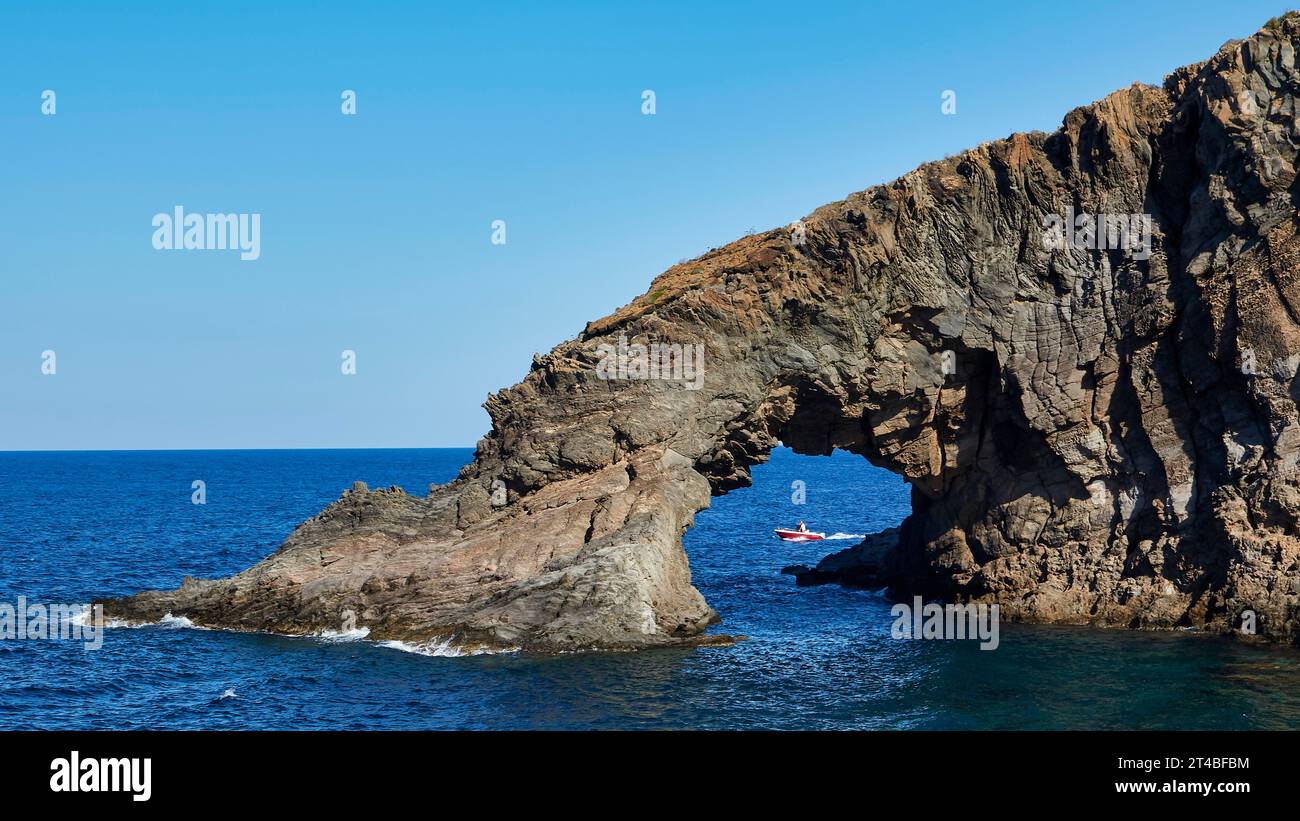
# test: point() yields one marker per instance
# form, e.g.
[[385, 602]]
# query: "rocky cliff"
[[1092, 434]]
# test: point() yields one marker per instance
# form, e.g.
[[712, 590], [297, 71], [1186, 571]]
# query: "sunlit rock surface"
[[1109, 439]]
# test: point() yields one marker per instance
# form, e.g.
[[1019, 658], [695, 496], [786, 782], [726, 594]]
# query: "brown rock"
[[1091, 448]]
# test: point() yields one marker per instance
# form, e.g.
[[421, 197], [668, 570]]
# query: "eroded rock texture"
[[1096, 453]]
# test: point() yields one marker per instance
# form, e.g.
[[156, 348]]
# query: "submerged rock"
[[1106, 436]]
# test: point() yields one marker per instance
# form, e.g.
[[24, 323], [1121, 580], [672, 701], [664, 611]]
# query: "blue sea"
[[78, 525]]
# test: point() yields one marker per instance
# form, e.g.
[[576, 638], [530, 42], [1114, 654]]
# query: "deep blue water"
[[77, 525]]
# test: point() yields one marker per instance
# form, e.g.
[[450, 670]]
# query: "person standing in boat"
[[802, 528]]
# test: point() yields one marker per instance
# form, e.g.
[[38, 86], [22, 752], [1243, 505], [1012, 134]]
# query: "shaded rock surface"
[[1093, 448]]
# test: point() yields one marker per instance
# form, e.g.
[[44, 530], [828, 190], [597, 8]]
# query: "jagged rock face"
[[1093, 448]]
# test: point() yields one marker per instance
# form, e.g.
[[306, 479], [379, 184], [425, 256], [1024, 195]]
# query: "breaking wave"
[[167, 622], [444, 648], [355, 634], [439, 648]]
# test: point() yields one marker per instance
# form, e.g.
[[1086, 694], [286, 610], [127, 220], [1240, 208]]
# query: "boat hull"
[[796, 535]]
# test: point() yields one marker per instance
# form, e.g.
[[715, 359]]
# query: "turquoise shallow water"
[[73, 525]]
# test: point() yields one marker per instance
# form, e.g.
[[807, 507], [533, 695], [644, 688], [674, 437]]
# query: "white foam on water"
[[228, 694], [177, 623], [82, 618], [167, 622], [444, 648], [439, 648], [430, 648], [127, 625], [355, 634]]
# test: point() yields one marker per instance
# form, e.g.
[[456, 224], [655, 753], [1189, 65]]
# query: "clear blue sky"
[[376, 228]]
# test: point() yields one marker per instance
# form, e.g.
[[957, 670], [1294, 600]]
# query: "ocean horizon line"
[[225, 450]]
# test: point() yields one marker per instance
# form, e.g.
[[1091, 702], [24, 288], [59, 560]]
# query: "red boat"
[[799, 535]]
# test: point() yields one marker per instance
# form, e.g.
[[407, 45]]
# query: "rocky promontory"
[[1104, 435]]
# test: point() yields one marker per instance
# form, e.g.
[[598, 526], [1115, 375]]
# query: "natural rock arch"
[[1089, 448]]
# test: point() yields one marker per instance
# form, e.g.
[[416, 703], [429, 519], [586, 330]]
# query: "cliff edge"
[[1103, 435]]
